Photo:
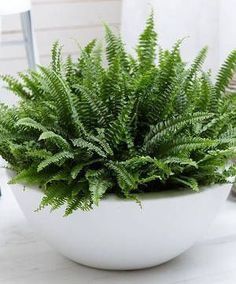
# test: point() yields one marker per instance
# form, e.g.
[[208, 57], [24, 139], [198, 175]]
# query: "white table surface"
[[26, 259]]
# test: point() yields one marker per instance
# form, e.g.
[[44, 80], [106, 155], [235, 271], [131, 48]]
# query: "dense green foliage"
[[83, 129]]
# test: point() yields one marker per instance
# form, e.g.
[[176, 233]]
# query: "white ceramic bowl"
[[118, 234]]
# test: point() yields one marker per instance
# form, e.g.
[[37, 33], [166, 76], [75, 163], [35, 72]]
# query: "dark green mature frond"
[[57, 159], [167, 129], [83, 144], [84, 129], [30, 123], [126, 180], [189, 144], [60, 92]]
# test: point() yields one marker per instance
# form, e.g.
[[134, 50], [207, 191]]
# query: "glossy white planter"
[[118, 234]]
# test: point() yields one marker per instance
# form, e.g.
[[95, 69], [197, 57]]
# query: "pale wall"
[[205, 22], [64, 20]]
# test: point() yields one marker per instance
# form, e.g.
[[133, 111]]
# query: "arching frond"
[[85, 128], [57, 159]]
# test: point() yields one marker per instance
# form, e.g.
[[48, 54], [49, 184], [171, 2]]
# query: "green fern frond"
[[188, 182], [189, 144], [15, 86], [60, 93], [76, 170], [29, 177], [146, 48], [32, 83], [57, 139], [54, 195], [30, 123], [229, 137], [57, 159], [84, 129], [83, 144], [170, 127], [114, 48], [95, 104], [39, 154], [56, 57], [125, 179], [196, 66], [226, 73], [182, 161], [98, 184]]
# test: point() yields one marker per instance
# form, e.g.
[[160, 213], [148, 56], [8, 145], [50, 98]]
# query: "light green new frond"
[[181, 161], [70, 70], [57, 139], [188, 182], [167, 66], [27, 122], [188, 144], [90, 47], [147, 44], [98, 185], [174, 97], [56, 57], [114, 48], [196, 66], [16, 87], [206, 93], [85, 54], [29, 177], [119, 129]]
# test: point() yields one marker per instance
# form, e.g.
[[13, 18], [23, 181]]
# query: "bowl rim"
[[148, 196]]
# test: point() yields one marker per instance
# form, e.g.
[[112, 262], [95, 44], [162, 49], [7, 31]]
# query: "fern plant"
[[83, 129]]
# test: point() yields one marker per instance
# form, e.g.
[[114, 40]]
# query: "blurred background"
[[205, 22], [73, 22], [65, 20]]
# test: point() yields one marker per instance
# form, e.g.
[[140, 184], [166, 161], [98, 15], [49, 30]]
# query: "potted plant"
[[135, 154]]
